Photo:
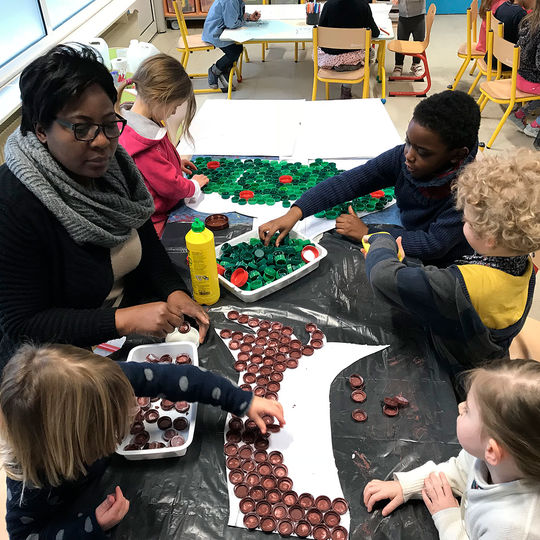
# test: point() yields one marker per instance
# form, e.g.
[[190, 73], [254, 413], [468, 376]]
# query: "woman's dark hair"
[[52, 80], [454, 115]]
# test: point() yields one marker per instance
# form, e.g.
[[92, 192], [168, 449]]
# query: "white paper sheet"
[[311, 465]]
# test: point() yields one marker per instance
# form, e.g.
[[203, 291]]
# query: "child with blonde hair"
[[496, 474], [164, 100], [473, 309], [63, 411]]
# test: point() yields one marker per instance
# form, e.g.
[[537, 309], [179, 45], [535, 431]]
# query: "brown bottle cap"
[[183, 359], [306, 500], [260, 342], [268, 361], [280, 511], [280, 367], [268, 524], [311, 327], [308, 350], [263, 508], [359, 415], [358, 396], [339, 533], [240, 366], [237, 335], [321, 532], [167, 405], [247, 505], [275, 457], [245, 451], [273, 396], [152, 358], [265, 370], [166, 358], [265, 325], [216, 222], [356, 381], [245, 348], [249, 378], [401, 401], [252, 369], [285, 484], [276, 376], [236, 476], [246, 387], [249, 338], [257, 493], [225, 333], [331, 518], [260, 391], [243, 319], [241, 490], [268, 482], [251, 521], [280, 471], [296, 512], [264, 469], [141, 438], [136, 427], [236, 424], [250, 424], [317, 335], [181, 424], [144, 402], [164, 423], [272, 343], [261, 380], [230, 449], [263, 333], [317, 343], [285, 527], [139, 417], [244, 357], [273, 386], [340, 506], [273, 496], [292, 363], [296, 354], [154, 445], [168, 434], [295, 345], [285, 340], [314, 516], [270, 352], [290, 498], [276, 325], [323, 503], [260, 456], [391, 402], [280, 357], [248, 437], [248, 465], [303, 529], [259, 351], [182, 406], [390, 411], [253, 322], [253, 479], [130, 447], [233, 315], [234, 344], [184, 328], [177, 440], [233, 462]]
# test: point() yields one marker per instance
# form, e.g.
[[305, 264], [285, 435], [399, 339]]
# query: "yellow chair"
[[191, 43], [503, 91], [467, 50], [481, 62], [341, 38], [415, 49]]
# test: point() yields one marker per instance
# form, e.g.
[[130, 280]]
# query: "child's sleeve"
[[186, 383], [233, 14], [40, 517], [375, 32]]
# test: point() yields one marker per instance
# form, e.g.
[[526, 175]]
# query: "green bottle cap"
[[197, 226]]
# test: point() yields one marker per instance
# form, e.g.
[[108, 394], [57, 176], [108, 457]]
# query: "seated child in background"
[[441, 138], [164, 92], [63, 410], [473, 309], [345, 14], [497, 474], [412, 21], [225, 14], [485, 5]]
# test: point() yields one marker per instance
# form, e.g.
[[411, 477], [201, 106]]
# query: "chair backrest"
[[342, 38], [505, 51], [473, 21], [181, 23], [430, 17], [499, 25]]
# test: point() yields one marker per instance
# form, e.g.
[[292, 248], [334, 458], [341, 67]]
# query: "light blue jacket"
[[223, 14]]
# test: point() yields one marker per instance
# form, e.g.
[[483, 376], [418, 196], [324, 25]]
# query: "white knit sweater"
[[508, 511]]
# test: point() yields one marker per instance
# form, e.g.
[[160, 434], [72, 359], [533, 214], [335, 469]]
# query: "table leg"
[[381, 70]]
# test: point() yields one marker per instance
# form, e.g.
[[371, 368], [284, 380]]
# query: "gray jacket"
[[412, 8]]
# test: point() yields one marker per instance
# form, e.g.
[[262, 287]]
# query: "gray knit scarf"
[[103, 215]]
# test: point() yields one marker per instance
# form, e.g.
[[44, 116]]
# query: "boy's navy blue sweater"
[[433, 227], [49, 513]]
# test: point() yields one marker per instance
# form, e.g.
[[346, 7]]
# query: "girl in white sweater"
[[496, 475]]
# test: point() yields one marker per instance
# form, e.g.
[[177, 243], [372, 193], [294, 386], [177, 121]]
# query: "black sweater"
[[52, 289], [529, 62], [347, 14]]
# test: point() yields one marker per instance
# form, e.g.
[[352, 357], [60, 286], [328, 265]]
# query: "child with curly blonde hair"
[[64, 410], [473, 309], [497, 474]]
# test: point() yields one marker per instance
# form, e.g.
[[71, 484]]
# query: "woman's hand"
[[378, 490], [112, 510], [261, 406], [187, 166], [282, 224], [437, 493], [153, 319], [351, 225], [201, 179], [182, 304]]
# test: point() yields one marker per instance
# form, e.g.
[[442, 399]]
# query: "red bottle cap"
[[379, 194], [244, 355], [302, 529], [359, 415], [285, 179], [309, 253], [183, 359], [167, 358], [234, 345], [263, 508], [268, 482], [358, 396], [239, 366], [317, 335], [246, 194], [323, 503], [143, 402], [220, 270], [253, 323], [184, 328], [237, 336], [340, 506], [292, 363], [311, 327], [356, 381], [239, 278], [245, 451], [276, 376], [273, 396], [182, 406], [212, 165], [249, 378], [251, 521]]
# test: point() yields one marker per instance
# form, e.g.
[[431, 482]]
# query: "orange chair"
[[416, 49]]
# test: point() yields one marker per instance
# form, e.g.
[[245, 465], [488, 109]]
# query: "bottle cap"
[[217, 222], [197, 225], [359, 415], [359, 396], [309, 253], [239, 277], [212, 165], [323, 503], [340, 506], [251, 521], [321, 532], [356, 381]]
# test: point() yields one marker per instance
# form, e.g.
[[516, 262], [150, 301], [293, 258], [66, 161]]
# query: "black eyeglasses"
[[87, 131]]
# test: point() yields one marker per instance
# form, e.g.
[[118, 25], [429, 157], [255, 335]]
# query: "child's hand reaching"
[[188, 166], [351, 225], [260, 406], [112, 510], [377, 490], [437, 493], [201, 179], [255, 16]]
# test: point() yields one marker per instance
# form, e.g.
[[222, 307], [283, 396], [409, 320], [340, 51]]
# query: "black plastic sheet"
[[187, 497]]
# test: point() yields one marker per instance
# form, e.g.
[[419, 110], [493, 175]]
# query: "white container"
[[138, 354], [253, 296], [137, 52], [100, 45], [192, 336]]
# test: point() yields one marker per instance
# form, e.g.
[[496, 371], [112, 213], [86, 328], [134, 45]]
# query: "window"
[[61, 10]]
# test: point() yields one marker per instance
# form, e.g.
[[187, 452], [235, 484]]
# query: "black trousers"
[[232, 53], [407, 26]]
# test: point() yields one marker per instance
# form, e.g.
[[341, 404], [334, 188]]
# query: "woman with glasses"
[[78, 252]]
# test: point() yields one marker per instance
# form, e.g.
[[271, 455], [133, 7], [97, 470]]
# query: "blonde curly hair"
[[500, 197]]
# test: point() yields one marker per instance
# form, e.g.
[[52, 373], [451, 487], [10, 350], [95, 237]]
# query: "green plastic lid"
[[197, 225]]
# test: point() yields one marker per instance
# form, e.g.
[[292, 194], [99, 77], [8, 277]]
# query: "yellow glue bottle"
[[202, 263]]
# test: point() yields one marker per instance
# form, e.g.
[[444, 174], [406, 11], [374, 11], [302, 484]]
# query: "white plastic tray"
[[253, 296], [138, 354]]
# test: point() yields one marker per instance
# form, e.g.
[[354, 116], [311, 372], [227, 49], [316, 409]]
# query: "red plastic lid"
[[212, 165], [239, 277], [285, 179], [377, 194], [309, 253], [246, 194]]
